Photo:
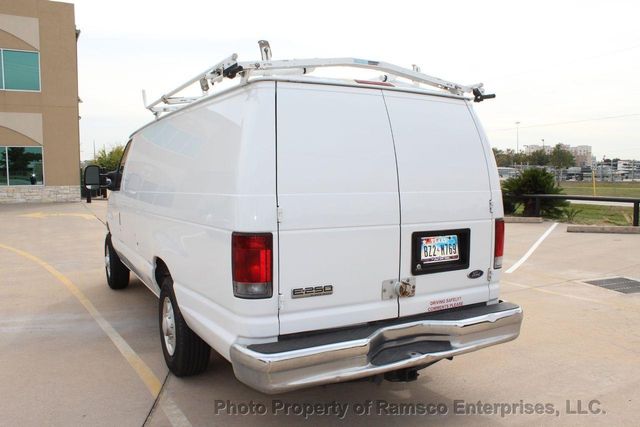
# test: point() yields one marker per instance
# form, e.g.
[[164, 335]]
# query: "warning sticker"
[[445, 303]]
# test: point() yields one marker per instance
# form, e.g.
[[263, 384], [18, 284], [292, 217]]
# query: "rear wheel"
[[117, 272], [184, 351]]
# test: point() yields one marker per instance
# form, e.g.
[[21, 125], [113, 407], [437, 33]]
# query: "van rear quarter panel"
[[193, 178], [496, 197]]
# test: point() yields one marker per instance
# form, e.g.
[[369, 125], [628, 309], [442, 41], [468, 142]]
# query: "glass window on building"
[[25, 165], [3, 165], [21, 70]]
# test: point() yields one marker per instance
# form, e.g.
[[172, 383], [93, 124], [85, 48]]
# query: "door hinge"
[[491, 206], [280, 214], [280, 302], [489, 274]]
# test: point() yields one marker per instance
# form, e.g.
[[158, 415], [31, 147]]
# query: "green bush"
[[532, 181], [570, 214]]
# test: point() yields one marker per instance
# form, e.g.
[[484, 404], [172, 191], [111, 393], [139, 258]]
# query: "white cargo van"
[[314, 230]]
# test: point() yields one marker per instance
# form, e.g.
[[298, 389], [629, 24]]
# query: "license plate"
[[439, 249]]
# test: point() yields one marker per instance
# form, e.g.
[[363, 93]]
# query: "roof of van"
[[357, 83]]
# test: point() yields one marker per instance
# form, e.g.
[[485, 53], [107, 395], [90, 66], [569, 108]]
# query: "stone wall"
[[39, 194]]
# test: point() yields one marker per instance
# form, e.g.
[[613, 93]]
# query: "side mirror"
[[112, 180], [91, 179], [92, 176]]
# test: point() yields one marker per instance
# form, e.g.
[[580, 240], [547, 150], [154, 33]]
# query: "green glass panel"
[[3, 165], [21, 70], [25, 165]]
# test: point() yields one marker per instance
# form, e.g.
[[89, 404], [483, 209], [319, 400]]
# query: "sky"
[[568, 71]]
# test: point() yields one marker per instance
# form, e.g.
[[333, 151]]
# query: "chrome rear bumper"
[[363, 351]]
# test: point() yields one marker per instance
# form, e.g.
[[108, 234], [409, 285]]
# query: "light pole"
[[517, 141]]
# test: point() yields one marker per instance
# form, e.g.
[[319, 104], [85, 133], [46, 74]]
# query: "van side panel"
[[496, 197], [444, 185], [193, 178], [338, 194]]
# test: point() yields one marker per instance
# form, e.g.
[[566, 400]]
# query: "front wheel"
[[117, 272], [184, 351]]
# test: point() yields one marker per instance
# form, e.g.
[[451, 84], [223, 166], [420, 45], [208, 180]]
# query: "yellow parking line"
[[41, 215], [154, 385]]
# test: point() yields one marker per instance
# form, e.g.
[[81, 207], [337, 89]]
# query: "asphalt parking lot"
[[74, 352]]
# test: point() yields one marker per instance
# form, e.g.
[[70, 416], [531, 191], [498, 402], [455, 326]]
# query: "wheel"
[[117, 272], [184, 351]]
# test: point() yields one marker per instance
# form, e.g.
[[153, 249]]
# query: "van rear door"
[[339, 214], [445, 193]]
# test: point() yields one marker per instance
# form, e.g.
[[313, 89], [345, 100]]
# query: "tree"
[[520, 158], [532, 181], [539, 157], [502, 159], [109, 160], [509, 157], [561, 158]]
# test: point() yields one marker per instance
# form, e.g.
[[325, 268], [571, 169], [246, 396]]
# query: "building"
[[528, 149], [581, 153], [628, 168], [39, 129]]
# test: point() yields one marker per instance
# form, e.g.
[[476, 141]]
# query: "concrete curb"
[[603, 229], [523, 219]]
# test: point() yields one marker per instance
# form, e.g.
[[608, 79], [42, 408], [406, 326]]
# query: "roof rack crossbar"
[[230, 67], [208, 74], [384, 67]]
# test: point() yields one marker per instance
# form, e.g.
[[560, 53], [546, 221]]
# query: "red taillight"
[[499, 244], [252, 260]]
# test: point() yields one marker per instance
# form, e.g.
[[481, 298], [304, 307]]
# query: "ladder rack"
[[230, 68]]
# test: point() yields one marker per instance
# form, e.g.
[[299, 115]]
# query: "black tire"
[[186, 354], [117, 272]]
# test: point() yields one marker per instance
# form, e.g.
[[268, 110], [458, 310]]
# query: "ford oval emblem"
[[475, 274]]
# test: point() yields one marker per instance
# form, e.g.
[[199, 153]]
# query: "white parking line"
[[532, 249], [547, 291], [176, 417]]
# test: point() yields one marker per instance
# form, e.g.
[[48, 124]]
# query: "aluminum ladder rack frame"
[[230, 67]]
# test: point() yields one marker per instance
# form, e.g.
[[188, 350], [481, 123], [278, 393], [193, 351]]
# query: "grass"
[[614, 189], [594, 214], [601, 215]]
